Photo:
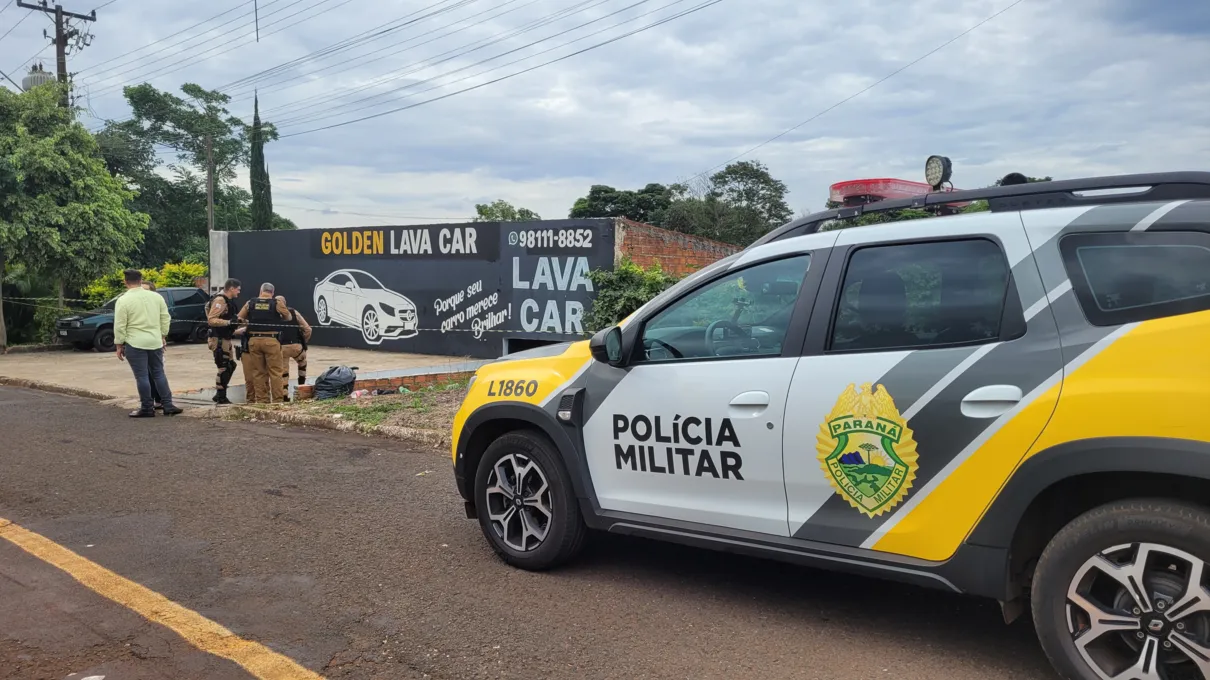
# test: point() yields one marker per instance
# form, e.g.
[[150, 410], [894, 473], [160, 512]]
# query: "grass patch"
[[430, 408], [368, 414]]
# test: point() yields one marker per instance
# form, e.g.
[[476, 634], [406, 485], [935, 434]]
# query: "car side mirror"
[[348, 285], [606, 346]]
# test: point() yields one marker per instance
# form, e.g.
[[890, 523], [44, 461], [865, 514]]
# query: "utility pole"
[[209, 185], [63, 33]]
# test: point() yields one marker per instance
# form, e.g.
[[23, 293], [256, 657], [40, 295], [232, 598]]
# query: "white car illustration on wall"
[[353, 298]]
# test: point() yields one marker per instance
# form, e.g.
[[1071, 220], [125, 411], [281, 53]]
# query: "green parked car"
[[94, 329]]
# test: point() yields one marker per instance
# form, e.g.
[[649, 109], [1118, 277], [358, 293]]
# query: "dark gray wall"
[[473, 285]]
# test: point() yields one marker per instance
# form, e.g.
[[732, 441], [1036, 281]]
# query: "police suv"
[[1012, 404]]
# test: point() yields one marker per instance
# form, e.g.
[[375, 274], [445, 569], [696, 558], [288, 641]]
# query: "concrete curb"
[[57, 389], [31, 349], [423, 437]]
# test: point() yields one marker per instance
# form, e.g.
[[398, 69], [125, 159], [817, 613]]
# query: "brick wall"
[[678, 254], [412, 382]]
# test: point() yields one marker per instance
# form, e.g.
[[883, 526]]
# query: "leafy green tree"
[[623, 290], [645, 205], [62, 211], [175, 197], [262, 193], [503, 211]]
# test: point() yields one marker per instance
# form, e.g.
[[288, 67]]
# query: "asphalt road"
[[341, 553]]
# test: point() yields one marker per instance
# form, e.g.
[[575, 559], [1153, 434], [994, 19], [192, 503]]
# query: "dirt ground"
[[190, 367]]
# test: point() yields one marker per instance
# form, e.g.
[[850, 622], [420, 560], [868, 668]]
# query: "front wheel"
[[1120, 593], [103, 340], [527, 508], [370, 332]]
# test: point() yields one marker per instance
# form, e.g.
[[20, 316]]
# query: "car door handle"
[[750, 404], [991, 401]]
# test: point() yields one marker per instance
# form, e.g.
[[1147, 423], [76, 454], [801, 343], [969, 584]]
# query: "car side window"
[[189, 297], [1124, 277], [340, 280], [916, 295], [743, 314]]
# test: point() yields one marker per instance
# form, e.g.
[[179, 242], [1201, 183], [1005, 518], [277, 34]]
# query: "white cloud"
[[1065, 89]]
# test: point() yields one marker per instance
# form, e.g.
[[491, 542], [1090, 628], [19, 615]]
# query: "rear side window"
[[919, 295], [1124, 277], [189, 297]]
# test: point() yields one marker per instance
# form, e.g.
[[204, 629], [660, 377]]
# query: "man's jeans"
[[148, 367]]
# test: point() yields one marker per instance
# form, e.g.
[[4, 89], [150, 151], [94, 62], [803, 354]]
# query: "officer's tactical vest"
[[263, 318], [291, 333], [222, 332]]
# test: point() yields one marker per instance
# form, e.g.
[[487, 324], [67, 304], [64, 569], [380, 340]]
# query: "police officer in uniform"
[[294, 338], [220, 316], [265, 316]]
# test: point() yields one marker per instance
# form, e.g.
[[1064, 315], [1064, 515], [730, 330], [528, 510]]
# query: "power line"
[[305, 118], [378, 57], [299, 107], [180, 64], [363, 37], [21, 21], [172, 35], [107, 4], [184, 47], [860, 92], [512, 75]]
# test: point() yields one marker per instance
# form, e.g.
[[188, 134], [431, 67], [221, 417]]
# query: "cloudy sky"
[[1067, 88]]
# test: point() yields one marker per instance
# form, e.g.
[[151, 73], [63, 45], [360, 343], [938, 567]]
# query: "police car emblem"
[[867, 451]]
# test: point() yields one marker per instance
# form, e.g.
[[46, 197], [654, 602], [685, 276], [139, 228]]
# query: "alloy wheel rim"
[[370, 325], [322, 312], [1141, 611], [519, 502]]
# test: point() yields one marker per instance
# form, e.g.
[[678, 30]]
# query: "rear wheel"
[[200, 333], [370, 332], [1121, 593], [321, 312], [526, 506], [103, 340]]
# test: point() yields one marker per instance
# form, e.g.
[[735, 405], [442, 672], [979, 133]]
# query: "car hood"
[[84, 316], [388, 297], [537, 352]]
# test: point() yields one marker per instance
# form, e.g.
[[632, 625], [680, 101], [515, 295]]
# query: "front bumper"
[[396, 328], [74, 335]]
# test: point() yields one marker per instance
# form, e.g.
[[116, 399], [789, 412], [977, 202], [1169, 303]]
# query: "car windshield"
[[365, 281], [109, 306]]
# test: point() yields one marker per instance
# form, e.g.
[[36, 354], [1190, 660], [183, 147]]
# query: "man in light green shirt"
[[140, 331]]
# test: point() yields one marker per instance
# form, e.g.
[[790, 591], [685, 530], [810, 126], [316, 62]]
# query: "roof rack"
[[1159, 186]]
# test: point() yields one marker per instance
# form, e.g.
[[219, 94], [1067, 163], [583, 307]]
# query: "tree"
[[645, 205], [62, 211], [503, 211], [175, 197], [262, 195], [738, 204], [187, 124]]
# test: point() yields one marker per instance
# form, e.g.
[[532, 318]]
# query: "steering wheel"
[[728, 326]]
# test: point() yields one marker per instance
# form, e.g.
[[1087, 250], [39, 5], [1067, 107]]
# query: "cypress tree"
[[262, 201]]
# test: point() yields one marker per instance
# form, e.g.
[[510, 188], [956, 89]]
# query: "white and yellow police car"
[[1012, 404]]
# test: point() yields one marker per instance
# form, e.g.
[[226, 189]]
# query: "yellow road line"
[[208, 636]]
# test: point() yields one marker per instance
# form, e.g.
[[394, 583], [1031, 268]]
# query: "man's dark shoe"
[[158, 406], [220, 398], [173, 411], [142, 414]]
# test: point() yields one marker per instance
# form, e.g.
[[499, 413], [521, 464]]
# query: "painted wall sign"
[[456, 289]]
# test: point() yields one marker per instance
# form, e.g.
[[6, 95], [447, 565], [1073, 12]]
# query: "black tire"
[[1173, 524], [103, 340], [566, 531], [200, 333]]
